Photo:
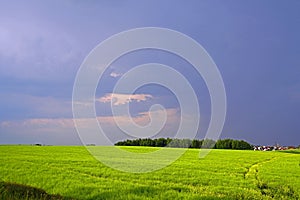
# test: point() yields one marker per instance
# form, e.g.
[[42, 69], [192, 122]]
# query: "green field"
[[73, 173]]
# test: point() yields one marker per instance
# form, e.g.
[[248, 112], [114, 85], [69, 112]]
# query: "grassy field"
[[72, 173]]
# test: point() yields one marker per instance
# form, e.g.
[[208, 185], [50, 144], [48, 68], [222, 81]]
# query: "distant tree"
[[161, 142], [147, 142], [241, 145], [174, 143], [169, 140], [208, 143], [224, 144], [196, 144], [187, 143]]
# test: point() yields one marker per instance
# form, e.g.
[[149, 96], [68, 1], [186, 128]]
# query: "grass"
[[72, 173], [14, 191]]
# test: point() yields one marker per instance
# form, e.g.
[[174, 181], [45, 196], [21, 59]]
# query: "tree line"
[[188, 143]]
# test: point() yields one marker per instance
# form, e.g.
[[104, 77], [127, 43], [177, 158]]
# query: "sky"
[[255, 45]]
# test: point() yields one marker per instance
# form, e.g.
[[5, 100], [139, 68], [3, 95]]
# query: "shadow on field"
[[14, 191], [290, 151]]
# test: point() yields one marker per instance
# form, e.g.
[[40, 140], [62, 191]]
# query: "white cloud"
[[121, 99], [115, 75]]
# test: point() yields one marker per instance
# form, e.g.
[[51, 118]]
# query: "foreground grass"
[[72, 172], [14, 191]]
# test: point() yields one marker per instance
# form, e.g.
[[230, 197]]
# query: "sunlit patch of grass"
[[139, 149], [222, 174]]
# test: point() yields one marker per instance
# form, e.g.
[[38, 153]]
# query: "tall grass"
[[222, 174]]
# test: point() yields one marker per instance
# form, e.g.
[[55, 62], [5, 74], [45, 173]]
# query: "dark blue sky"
[[255, 45]]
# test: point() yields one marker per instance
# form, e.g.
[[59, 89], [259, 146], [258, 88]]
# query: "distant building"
[[270, 148]]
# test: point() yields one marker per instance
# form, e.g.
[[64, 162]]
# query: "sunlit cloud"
[[48, 130], [143, 118], [121, 99], [60, 124], [115, 75], [39, 123]]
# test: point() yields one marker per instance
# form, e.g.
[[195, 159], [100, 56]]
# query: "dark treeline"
[[187, 143]]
